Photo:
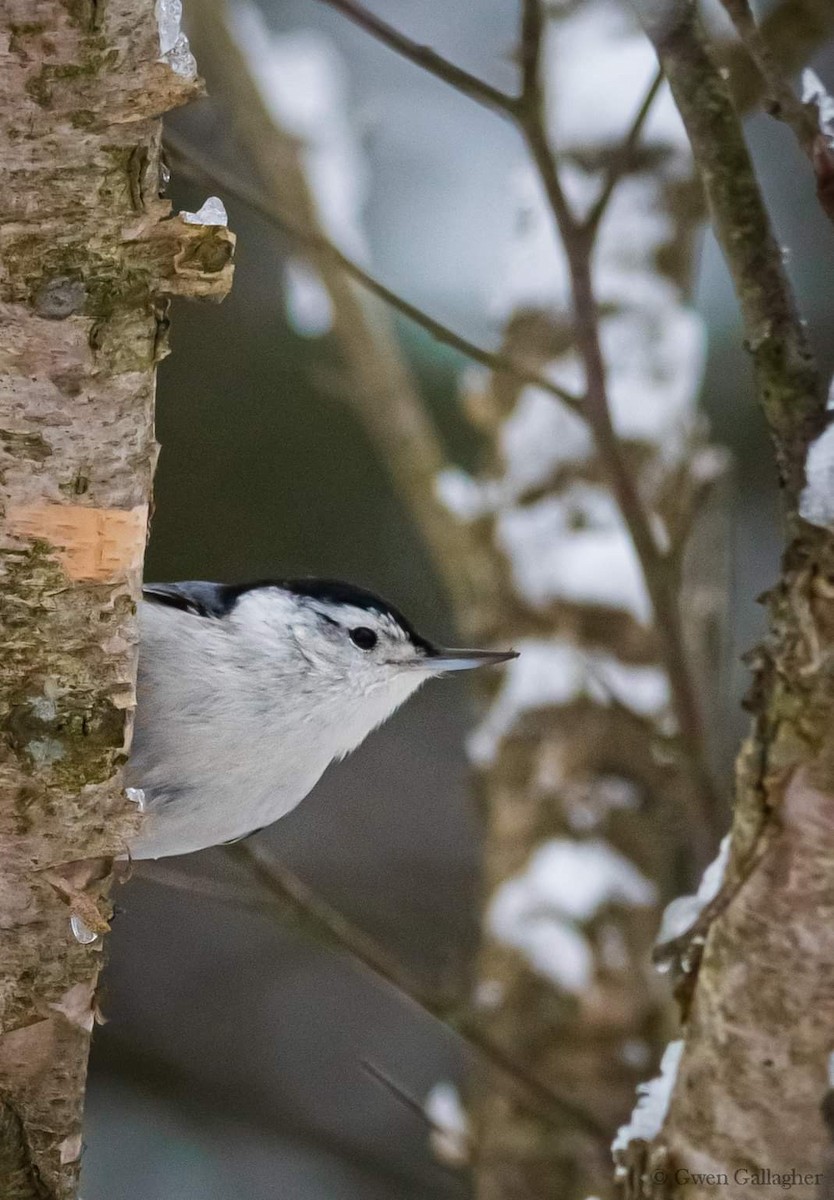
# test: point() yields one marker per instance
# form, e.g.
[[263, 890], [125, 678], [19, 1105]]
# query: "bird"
[[247, 692]]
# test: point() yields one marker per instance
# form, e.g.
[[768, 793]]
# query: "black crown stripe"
[[218, 599]]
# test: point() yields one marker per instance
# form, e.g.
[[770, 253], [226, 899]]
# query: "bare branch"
[[528, 50], [422, 56], [578, 242], [404, 1098], [783, 104], [335, 929], [285, 886], [154, 872], [624, 155]]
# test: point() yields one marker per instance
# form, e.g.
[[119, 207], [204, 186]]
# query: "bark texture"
[[89, 256]]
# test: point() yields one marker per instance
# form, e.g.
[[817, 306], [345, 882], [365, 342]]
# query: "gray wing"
[[192, 595]]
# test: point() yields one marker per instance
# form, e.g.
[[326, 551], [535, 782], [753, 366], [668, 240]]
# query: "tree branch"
[[423, 56], [578, 243], [624, 156], [783, 104], [338, 931], [781, 100]]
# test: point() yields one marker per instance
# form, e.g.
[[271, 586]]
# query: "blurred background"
[[232, 1059]]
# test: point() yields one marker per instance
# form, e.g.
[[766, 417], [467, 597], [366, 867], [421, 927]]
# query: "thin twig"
[[338, 931], [284, 885], [400, 1094], [624, 155], [422, 56], [200, 166], [197, 885]]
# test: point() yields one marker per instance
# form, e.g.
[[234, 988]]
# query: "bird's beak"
[[466, 660]]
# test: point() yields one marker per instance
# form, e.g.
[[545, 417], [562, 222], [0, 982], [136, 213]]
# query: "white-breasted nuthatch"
[[247, 693]]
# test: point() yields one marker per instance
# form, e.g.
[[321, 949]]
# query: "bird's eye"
[[363, 637]]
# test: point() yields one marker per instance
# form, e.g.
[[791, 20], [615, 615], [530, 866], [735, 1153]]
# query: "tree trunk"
[[744, 1109], [88, 259]]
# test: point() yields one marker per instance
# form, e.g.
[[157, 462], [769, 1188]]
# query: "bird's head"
[[356, 653]]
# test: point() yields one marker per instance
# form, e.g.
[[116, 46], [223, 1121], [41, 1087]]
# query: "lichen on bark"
[[89, 254]]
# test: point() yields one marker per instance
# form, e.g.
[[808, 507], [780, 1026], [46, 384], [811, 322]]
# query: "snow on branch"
[[552, 673], [173, 44], [564, 885], [653, 1102]]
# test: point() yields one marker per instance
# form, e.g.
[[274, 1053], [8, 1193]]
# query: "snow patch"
[[554, 673], [303, 84], [599, 66], [173, 44], [589, 802], [137, 796], [450, 1125], [535, 271], [657, 362], [551, 945], [816, 504], [211, 212], [814, 92], [574, 547], [682, 913], [488, 994], [636, 1053], [653, 1101], [564, 883], [540, 436], [308, 303], [464, 497], [81, 932]]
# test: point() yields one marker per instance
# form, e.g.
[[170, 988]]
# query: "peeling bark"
[[89, 257]]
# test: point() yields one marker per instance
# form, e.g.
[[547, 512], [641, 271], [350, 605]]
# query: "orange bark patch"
[[100, 544]]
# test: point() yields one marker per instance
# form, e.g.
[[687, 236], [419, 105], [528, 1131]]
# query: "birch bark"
[[89, 257]]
